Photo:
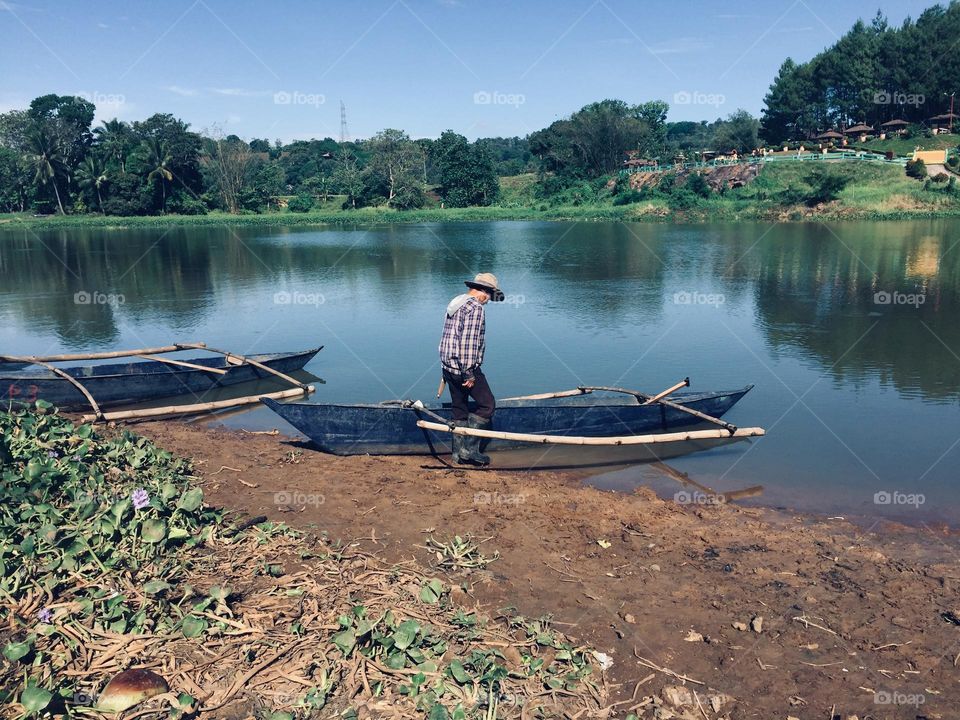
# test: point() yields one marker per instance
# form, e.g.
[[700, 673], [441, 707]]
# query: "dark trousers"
[[480, 392]]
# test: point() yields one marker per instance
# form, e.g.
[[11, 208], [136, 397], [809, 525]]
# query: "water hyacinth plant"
[[140, 499], [116, 512], [105, 542]]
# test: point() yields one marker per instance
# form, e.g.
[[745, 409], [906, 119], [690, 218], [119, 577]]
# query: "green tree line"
[[873, 74], [52, 159]]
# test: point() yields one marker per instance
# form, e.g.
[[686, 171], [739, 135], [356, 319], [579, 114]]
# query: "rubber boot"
[[470, 453], [457, 447]]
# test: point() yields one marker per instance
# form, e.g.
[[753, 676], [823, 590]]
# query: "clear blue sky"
[[481, 67]]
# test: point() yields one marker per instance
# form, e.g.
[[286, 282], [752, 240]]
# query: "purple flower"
[[52, 454], [45, 615], [140, 499]]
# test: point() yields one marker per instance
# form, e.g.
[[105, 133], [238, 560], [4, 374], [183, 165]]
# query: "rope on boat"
[[420, 407]]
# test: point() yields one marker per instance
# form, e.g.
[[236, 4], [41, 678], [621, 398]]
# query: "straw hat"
[[488, 283]]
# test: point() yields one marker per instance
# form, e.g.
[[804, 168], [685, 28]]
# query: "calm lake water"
[[849, 331]]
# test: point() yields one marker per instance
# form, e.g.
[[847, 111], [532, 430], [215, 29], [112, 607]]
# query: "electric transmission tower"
[[344, 133]]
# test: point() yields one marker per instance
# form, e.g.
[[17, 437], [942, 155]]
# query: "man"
[[461, 354]]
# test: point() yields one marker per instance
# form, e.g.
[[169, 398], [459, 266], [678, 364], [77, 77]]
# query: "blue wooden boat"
[[133, 382], [391, 428], [5, 366]]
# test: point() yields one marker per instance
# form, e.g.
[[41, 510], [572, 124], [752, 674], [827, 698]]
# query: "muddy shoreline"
[[854, 621]]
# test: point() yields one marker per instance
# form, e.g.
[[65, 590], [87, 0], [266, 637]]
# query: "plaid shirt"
[[462, 343]]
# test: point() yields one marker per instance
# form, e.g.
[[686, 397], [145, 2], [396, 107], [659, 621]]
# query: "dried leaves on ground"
[[110, 560]]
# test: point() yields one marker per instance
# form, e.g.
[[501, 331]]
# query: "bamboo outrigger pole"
[[579, 440], [293, 381], [642, 398], [98, 413], [660, 396], [650, 399], [587, 390], [550, 395], [195, 408], [181, 363], [40, 359]]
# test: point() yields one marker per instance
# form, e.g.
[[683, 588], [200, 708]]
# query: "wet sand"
[[855, 621]]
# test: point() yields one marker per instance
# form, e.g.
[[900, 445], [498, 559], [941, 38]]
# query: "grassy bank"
[[906, 146], [784, 191], [871, 191], [365, 216]]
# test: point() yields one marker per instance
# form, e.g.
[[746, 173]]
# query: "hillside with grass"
[[775, 191], [906, 145]]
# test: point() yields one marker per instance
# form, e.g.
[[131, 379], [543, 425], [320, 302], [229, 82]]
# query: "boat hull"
[[387, 429], [134, 382]]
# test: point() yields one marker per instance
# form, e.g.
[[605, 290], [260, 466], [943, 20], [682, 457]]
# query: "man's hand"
[[469, 383]]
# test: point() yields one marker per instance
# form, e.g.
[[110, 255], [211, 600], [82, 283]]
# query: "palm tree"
[[46, 159], [158, 159], [115, 138], [92, 174]]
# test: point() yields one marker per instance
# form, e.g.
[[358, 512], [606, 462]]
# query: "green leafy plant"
[[916, 169], [116, 511], [459, 553], [125, 517], [825, 186], [301, 203]]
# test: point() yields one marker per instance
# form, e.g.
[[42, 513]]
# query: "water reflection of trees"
[[174, 276], [818, 295], [813, 285]]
